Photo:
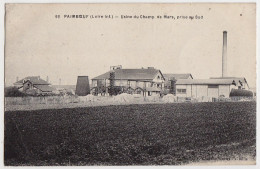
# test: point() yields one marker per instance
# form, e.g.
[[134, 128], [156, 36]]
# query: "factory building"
[[206, 87], [151, 81], [145, 81], [215, 86]]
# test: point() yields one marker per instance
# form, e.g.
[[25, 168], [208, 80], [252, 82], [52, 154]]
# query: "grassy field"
[[156, 134]]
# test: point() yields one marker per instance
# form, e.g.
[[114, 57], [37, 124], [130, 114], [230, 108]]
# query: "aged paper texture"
[[130, 84]]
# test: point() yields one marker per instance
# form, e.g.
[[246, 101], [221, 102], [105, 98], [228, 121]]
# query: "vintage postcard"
[[130, 84]]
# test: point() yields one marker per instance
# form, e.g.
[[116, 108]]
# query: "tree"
[[111, 90], [13, 92]]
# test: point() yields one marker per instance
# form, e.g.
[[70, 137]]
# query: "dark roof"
[[177, 76], [44, 88], [36, 80], [205, 81], [131, 74]]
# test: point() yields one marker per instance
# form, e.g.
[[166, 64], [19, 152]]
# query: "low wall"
[[115, 99], [40, 100]]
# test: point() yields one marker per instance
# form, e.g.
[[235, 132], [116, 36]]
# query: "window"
[[158, 77], [94, 83], [212, 86], [181, 91]]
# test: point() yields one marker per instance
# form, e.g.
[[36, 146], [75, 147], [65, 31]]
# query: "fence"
[[237, 98], [212, 99]]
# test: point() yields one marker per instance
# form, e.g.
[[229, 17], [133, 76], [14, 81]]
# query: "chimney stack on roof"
[[115, 67], [224, 55], [47, 79]]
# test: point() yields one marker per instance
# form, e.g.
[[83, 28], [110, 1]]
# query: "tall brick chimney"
[[82, 86], [224, 55]]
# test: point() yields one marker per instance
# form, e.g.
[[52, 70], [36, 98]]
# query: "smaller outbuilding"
[[206, 87], [34, 85], [171, 79]]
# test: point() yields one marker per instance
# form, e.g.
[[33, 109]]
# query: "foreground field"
[[156, 134]]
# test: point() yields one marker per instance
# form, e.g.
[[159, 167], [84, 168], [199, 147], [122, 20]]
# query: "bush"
[[13, 92], [241, 93], [164, 92], [116, 90]]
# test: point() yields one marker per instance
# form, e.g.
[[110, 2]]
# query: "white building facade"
[[148, 81], [206, 87]]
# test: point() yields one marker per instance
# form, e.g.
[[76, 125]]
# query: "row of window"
[[183, 91], [132, 83]]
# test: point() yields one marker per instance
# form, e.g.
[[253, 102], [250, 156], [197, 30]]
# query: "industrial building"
[[215, 86], [206, 87], [146, 81]]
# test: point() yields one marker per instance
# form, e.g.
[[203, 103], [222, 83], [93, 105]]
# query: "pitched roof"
[[177, 76], [131, 74], [205, 81], [36, 80], [237, 79], [44, 88]]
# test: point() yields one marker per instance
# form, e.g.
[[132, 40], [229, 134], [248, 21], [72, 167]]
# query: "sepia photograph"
[[130, 84]]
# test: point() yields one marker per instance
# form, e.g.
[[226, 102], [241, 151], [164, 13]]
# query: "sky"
[[39, 44]]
